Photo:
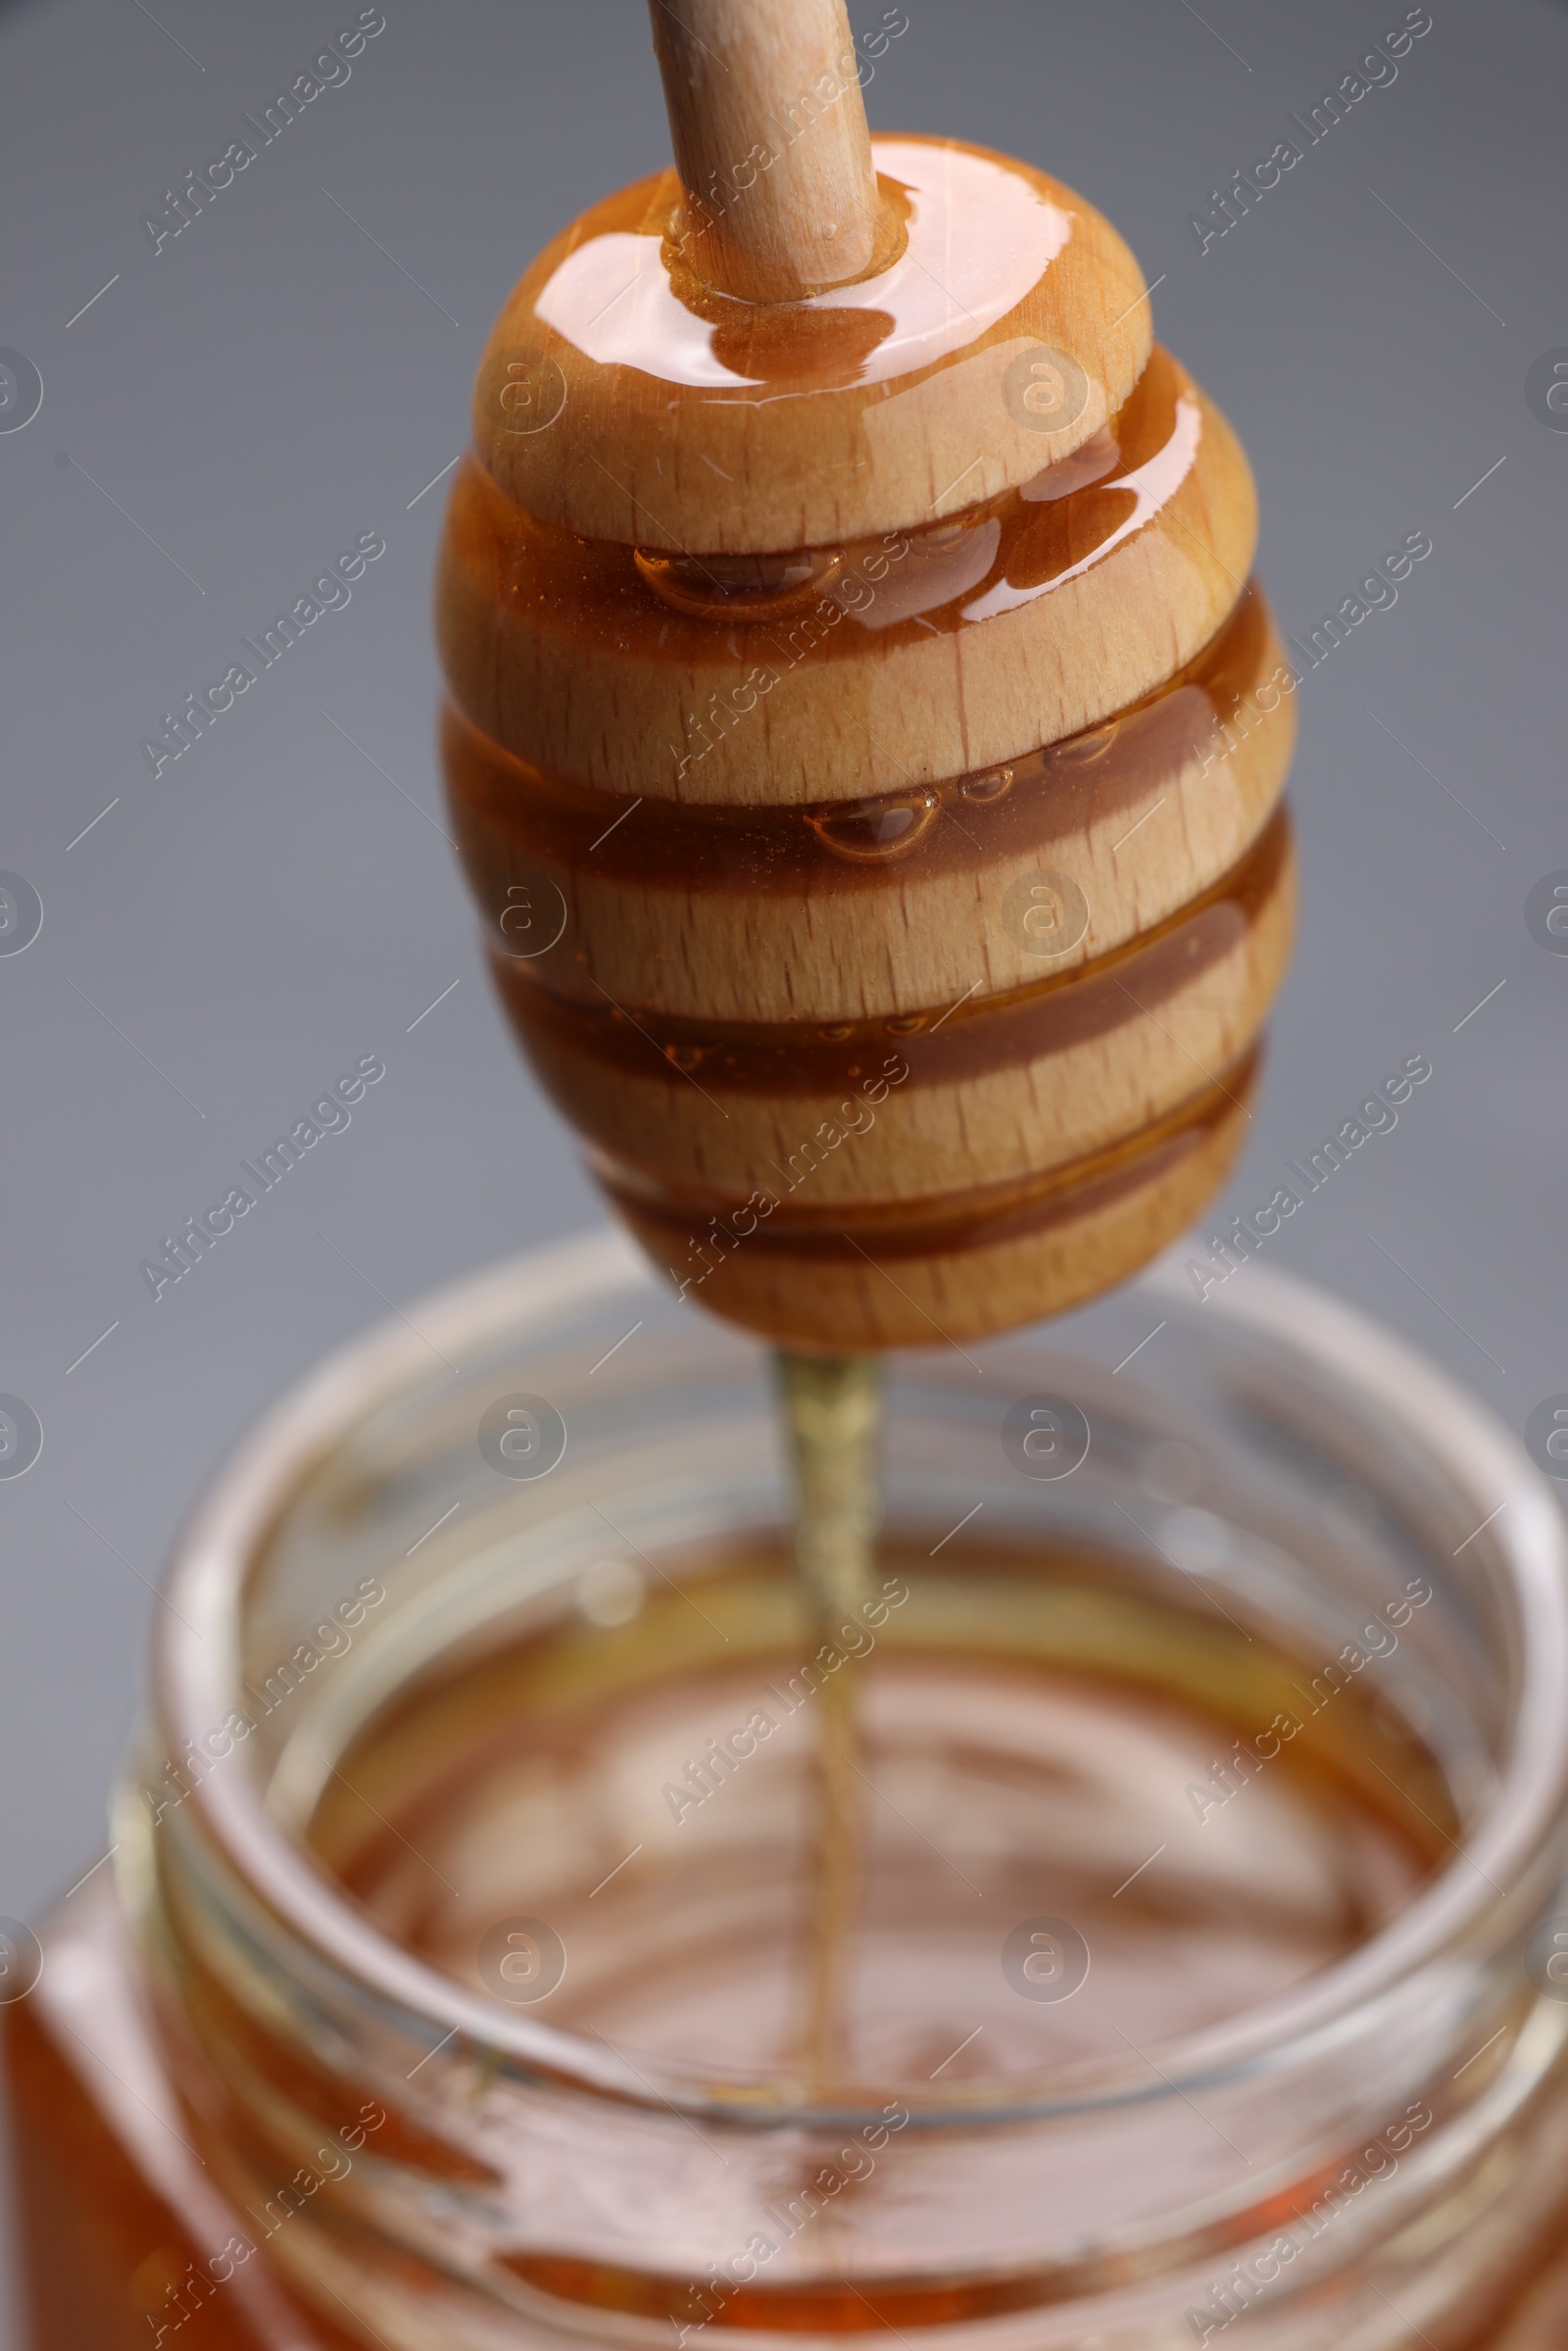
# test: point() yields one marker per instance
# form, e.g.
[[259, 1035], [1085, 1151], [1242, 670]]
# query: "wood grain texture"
[[768, 95], [874, 1286], [616, 399], [715, 914], [940, 654], [1010, 1088]]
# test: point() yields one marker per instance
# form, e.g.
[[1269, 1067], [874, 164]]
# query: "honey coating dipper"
[[841, 607]]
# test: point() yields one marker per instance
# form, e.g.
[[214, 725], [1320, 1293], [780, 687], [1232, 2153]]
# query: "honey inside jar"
[[1199, 1851]]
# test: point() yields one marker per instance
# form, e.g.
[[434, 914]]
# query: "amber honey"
[[1214, 1821], [1011, 1704]]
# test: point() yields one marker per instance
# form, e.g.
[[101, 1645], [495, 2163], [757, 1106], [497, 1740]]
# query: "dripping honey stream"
[[832, 1408]]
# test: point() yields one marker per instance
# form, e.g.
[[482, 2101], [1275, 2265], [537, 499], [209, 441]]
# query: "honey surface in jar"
[[1026, 1717]]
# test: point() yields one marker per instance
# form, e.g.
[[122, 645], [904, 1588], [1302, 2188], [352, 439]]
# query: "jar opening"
[[1433, 1782]]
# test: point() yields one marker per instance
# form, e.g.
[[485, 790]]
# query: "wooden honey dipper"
[[842, 605]]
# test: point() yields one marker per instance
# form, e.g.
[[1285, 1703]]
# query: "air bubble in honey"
[[871, 831], [984, 789]]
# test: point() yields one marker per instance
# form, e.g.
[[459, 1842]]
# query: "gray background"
[[280, 379]]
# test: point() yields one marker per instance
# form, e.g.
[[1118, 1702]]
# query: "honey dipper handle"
[[770, 142]]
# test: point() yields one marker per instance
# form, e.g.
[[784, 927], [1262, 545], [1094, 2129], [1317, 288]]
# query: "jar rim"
[[195, 1671]]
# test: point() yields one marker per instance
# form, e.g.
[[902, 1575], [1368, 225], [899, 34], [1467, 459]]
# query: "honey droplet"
[[904, 1024], [684, 1057], [871, 831], [738, 587]]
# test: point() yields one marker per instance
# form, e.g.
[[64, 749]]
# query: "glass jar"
[[442, 1988]]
